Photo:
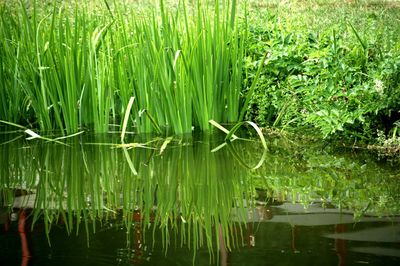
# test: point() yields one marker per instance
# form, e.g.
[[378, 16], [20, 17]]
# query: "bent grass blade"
[[70, 136], [126, 117], [165, 143], [129, 160], [230, 137], [234, 152], [11, 140], [12, 124], [34, 135], [220, 127]]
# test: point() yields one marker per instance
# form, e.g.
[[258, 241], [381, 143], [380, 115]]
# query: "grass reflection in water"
[[194, 197], [185, 188]]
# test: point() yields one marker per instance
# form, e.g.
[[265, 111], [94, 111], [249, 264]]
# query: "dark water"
[[83, 204]]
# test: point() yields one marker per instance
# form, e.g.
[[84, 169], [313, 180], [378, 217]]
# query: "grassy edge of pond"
[[339, 80], [333, 69]]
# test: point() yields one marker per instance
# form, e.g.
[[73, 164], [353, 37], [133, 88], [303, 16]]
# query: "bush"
[[337, 78]]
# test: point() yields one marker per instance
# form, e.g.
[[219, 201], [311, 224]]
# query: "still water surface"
[[180, 202]]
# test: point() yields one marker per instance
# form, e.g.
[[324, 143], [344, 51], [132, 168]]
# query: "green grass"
[[331, 66], [72, 66]]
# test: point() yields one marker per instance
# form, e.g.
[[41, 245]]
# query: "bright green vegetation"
[[66, 67], [329, 67], [178, 67], [333, 66]]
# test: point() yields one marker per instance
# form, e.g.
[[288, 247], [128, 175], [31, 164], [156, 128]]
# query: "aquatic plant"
[[73, 66]]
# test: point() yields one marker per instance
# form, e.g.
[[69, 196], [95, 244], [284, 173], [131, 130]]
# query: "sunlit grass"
[[74, 66]]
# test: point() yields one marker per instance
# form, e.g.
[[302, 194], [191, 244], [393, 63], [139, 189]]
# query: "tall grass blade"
[[252, 87], [362, 42]]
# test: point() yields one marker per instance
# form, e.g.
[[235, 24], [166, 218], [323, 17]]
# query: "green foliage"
[[339, 78], [69, 66], [334, 68]]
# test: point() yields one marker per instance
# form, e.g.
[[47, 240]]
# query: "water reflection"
[[191, 203], [185, 188]]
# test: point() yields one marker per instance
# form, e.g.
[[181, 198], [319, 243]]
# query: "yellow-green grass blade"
[[126, 118]]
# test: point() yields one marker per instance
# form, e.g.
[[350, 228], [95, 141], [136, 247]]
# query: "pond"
[[188, 200]]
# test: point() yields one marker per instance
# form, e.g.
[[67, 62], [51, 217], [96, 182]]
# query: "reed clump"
[[71, 66]]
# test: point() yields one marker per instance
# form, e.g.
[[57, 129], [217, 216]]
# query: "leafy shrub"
[[338, 79]]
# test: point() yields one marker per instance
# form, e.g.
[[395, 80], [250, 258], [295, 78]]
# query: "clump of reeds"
[[67, 67]]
